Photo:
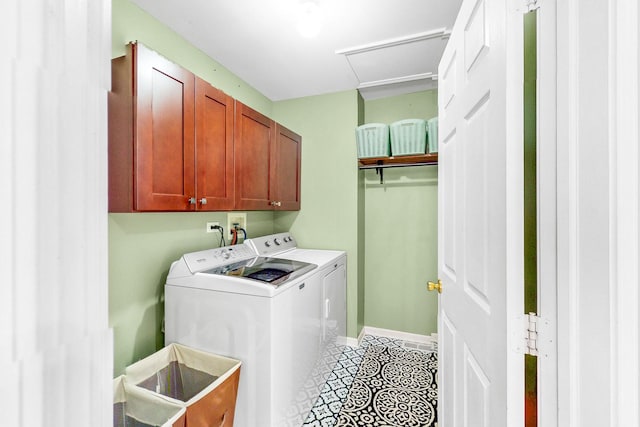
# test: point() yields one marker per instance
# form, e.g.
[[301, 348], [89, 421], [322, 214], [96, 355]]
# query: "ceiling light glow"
[[310, 19]]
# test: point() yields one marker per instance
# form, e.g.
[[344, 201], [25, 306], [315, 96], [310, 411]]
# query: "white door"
[[480, 215]]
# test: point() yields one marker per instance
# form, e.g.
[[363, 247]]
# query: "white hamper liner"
[[205, 384], [133, 406]]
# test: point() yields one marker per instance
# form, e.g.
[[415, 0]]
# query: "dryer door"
[[334, 293]]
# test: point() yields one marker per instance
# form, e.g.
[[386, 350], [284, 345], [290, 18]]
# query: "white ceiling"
[[382, 47]]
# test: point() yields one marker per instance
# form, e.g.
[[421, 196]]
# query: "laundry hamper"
[[408, 137], [205, 384], [135, 407], [372, 140]]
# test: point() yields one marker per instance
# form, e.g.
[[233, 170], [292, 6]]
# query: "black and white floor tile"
[[326, 409], [383, 382]]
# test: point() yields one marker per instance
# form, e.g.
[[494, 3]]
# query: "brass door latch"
[[435, 286]]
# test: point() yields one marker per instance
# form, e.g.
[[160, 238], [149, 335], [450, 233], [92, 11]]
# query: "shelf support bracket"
[[380, 171]]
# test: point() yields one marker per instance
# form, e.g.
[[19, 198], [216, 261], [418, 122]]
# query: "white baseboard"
[[351, 342], [404, 336]]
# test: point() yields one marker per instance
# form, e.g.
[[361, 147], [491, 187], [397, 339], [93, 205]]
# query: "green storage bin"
[[432, 135], [408, 137], [372, 140]]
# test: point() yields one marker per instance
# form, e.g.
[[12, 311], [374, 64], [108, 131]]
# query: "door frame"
[[514, 298], [546, 142], [602, 314]]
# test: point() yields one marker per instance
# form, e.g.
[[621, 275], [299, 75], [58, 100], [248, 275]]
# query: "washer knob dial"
[[267, 244], [276, 241]]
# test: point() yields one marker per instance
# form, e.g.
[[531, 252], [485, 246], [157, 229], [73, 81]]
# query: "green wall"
[[361, 232], [400, 230], [130, 23], [328, 218], [141, 250], [142, 246]]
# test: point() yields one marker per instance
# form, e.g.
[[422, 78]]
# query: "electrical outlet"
[[239, 218], [210, 226]]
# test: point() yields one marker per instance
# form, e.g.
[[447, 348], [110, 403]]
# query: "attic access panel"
[[410, 58]]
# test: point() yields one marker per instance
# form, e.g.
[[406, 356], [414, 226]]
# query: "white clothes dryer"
[[331, 274]]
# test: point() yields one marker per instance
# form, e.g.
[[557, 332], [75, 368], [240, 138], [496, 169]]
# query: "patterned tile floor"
[[327, 410]]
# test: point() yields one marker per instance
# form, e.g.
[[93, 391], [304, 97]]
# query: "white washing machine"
[[265, 309]]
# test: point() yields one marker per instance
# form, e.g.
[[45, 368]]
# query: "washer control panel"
[[271, 244], [217, 257]]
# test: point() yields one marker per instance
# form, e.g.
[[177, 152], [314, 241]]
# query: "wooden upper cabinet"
[[267, 163], [170, 137], [254, 136], [214, 148], [286, 174], [151, 134], [178, 144], [164, 148]]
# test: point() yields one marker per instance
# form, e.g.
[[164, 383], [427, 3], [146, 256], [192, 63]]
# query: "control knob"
[[267, 244], [276, 241]]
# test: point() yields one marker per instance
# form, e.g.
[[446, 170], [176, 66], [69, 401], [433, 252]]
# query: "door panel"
[[472, 225], [447, 390], [164, 133], [167, 156], [286, 173], [214, 147], [475, 212], [476, 385], [448, 205], [254, 134]]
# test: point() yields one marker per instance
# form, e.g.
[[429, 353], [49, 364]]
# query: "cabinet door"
[[164, 134], [254, 135], [214, 148], [286, 169]]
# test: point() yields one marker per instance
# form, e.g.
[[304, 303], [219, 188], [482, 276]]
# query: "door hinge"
[[526, 6], [533, 337], [531, 334], [531, 5]]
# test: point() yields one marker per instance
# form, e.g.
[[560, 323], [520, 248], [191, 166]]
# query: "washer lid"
[[273, 271]]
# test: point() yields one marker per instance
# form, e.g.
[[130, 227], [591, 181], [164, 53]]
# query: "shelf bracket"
[[380, 171]]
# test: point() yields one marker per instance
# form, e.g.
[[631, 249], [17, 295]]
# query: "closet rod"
[[397, 165], [380, 168]]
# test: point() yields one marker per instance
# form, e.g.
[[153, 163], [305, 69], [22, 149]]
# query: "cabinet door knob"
[[277, 203], [203, 201], [192, 200], [435, 286]]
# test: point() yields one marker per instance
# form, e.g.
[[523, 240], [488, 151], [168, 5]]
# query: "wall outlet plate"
[[239, 218], [210, 226]]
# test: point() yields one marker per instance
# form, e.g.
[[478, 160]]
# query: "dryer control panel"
[[271, 244]]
